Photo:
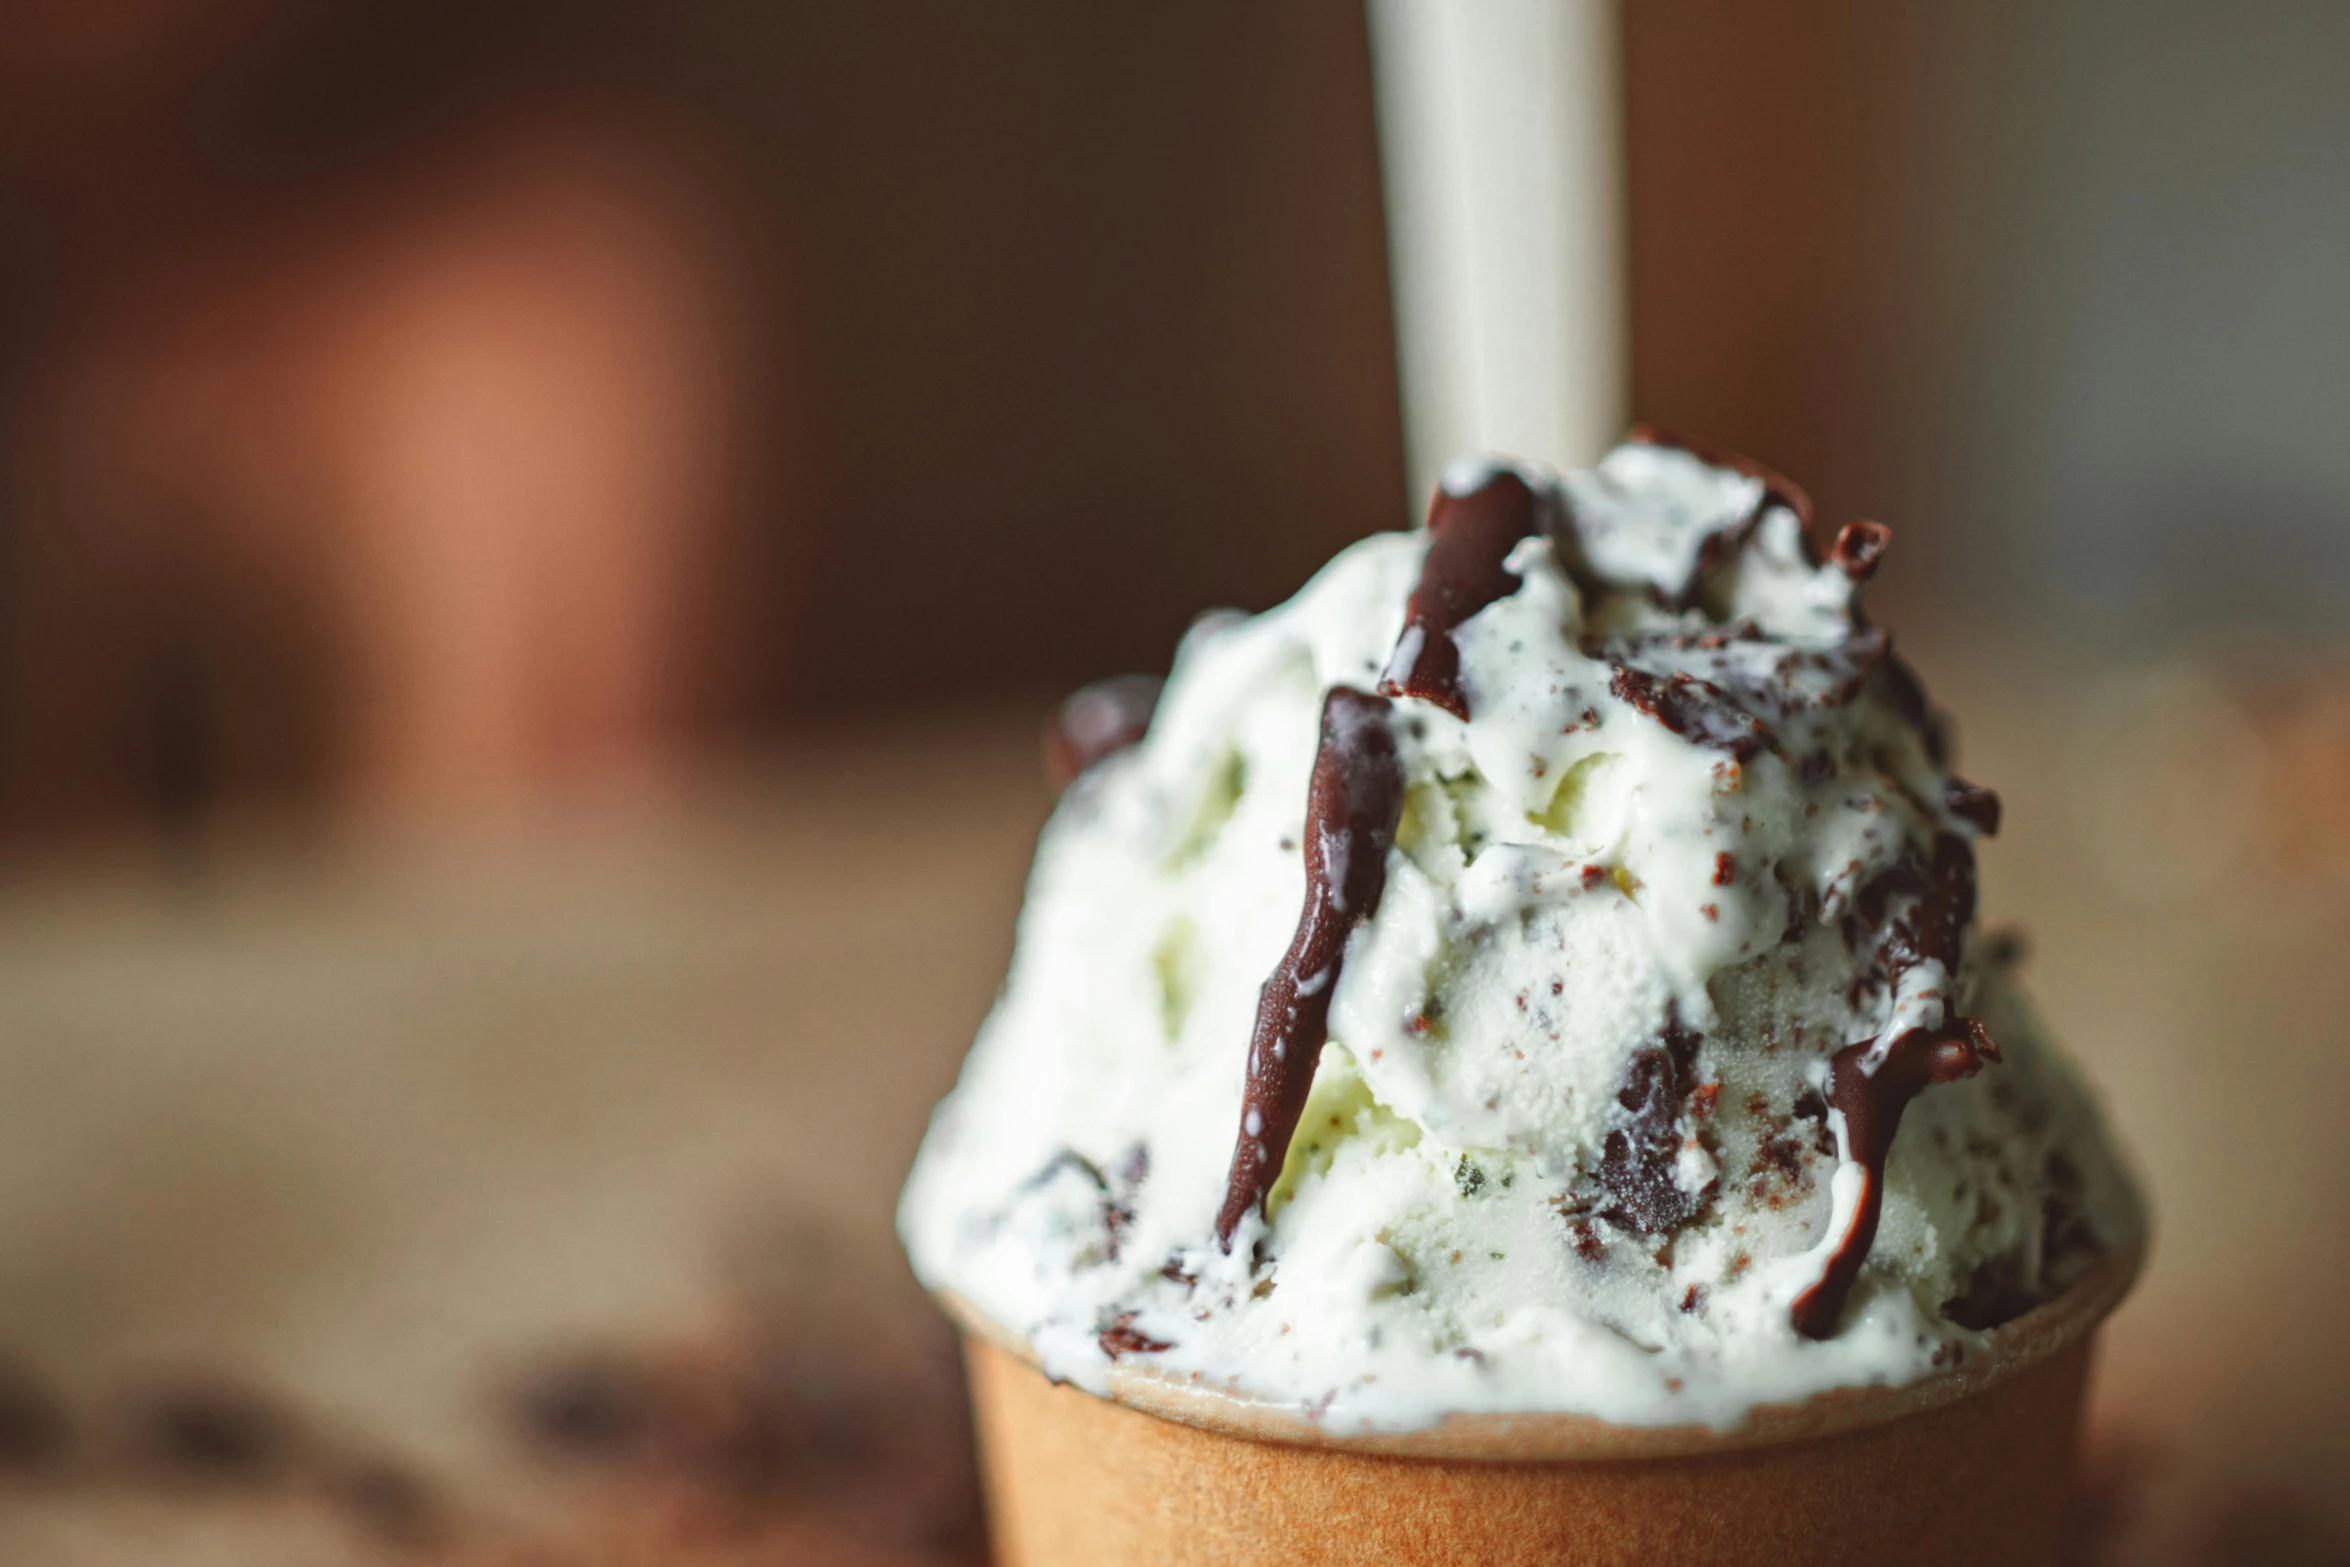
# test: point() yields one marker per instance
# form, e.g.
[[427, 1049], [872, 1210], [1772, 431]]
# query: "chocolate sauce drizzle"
[[1356, 796], [1470, 536], [1096, 720], [1352, 804], [1872, 1100]]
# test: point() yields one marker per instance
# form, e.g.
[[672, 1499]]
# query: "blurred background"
[[535, 541]]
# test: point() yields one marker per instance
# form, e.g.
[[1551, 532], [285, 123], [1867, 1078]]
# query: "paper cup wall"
[[1969, 1467]]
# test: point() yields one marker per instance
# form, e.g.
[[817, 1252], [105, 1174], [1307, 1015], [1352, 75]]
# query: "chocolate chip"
[[1970, 803], [1120, 1336], [1695, 710], [1639, 1159], [1858, 548]]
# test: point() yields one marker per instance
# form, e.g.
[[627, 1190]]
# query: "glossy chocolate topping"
[[1471, 534], [1352, 804], [1871, 1083], [1640, 992]]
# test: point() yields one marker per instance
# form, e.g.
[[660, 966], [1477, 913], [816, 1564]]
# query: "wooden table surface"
[[380, 1126]]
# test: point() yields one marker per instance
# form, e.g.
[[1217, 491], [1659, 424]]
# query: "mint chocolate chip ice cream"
[[1534, 969]]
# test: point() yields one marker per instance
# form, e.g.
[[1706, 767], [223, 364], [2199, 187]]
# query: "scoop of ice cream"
[[1496, 979]]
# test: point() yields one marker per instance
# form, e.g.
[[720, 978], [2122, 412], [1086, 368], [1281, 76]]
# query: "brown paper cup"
[[1975, 1466]]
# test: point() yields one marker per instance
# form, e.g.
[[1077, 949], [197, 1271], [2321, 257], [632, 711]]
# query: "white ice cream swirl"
[[1671, 933]]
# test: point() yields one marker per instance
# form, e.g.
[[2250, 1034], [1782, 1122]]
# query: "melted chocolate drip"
[[1858, 548], [1637, 1161], [1872, 1101], [1352, 804], [1095, 721], [1696, 710], [1471, 535]]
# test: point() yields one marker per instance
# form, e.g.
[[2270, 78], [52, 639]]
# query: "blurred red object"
[[413, 486]]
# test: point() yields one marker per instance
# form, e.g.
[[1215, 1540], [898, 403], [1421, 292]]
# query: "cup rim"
[[1552, 1436]]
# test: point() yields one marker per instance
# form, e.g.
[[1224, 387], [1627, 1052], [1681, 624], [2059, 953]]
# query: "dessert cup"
[[1974, 1465]]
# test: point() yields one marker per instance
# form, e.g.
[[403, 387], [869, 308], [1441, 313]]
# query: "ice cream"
[[1533, 969]]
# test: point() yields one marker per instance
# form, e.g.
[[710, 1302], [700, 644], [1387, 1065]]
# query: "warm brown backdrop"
[[412, 407], [561, 520]]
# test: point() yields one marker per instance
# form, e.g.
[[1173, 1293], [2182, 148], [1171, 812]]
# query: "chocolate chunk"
[[1639, 1158], [1119, 1336], [1970, 803], [1936, 928], [1858, 548], [1698, 712], [1766, 679], [1782, 1155]]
